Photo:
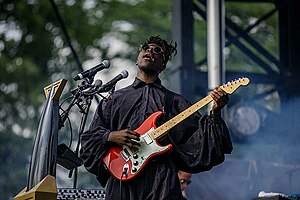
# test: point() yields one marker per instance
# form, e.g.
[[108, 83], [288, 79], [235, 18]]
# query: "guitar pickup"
[[147, 138], [125, 154]]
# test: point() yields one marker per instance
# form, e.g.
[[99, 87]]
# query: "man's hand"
[[220, 100], [125, 137]]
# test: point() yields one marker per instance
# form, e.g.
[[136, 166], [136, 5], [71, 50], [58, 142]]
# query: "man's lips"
[[147, 57]]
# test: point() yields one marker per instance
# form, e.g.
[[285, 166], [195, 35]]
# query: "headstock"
[[230, 87]]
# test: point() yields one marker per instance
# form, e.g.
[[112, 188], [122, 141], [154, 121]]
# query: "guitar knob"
[[135, 156], [135, 163], [134, 170]]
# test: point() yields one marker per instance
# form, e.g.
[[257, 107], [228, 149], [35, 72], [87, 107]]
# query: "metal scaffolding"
[[281, 72]]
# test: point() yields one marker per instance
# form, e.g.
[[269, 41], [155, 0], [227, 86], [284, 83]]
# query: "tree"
[[34, 53]]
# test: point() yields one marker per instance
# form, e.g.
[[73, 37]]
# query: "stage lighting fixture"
[[244, 121]]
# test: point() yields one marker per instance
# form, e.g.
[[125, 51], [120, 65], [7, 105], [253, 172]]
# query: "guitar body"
[[124, 164]]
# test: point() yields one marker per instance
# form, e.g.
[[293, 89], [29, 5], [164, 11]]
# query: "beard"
[[149, 71], [148, 68]]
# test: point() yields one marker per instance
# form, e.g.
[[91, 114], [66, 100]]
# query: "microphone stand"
[[82, 97], [84, 116], [77, 98]]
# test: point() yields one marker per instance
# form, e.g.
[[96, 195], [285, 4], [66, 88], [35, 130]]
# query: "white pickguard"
[[148, 147]]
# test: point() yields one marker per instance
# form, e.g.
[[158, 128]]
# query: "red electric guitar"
[[124, 164]]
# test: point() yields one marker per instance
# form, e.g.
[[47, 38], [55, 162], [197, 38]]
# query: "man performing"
[[199, 142]]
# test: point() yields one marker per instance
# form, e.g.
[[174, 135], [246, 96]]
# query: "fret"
[[164, 128]]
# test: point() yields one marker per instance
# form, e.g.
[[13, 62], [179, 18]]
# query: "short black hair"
[[169, 49]]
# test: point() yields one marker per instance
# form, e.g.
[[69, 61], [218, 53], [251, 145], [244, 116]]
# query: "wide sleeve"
[[94, 142], [205, 148]]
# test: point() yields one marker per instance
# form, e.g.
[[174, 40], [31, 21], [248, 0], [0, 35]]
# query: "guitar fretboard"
[[164, 128]]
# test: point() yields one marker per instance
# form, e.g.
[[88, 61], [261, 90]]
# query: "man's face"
[[150, 58], [185, 179]]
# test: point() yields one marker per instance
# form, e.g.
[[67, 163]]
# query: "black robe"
[[199, 142]]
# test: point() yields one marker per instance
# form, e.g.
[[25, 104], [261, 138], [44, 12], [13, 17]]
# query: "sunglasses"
[[183, 181], [155, 49]]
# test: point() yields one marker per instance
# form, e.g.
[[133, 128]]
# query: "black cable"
[[63, 27], [70, 127], [65, 32], [71, 132], [121, 189], [64, 101], [124, 173]]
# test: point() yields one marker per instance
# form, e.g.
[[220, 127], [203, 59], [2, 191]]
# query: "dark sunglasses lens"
[[145, 47], [157, 50]]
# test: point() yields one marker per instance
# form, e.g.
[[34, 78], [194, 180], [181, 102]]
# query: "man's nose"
[[150, 49]]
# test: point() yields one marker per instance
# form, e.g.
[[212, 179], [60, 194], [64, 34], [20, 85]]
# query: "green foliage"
[[14, 154], [34, 53]]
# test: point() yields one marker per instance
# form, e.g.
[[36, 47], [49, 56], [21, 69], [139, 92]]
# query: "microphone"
[[87, 87], [106, 87], [93, 88], [97, 83], [104, 65]]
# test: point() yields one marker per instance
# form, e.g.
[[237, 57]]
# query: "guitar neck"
[[164, 128], [229, 88]]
